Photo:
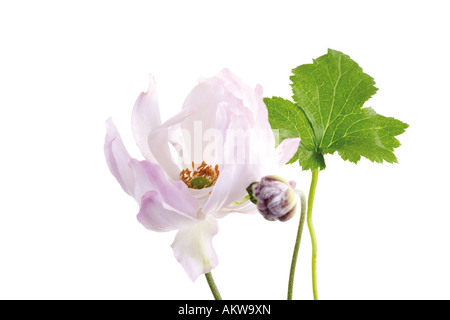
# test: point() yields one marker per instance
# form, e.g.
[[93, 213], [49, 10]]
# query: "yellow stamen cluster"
[[203, 171]]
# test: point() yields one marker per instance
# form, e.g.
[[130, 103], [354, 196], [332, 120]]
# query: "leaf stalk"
[[311, 196]]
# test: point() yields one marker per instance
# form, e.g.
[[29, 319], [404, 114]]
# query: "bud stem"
[[297, 243], [212, 286], [312, 193]]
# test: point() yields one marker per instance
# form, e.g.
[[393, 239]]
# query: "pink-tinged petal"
[[206, 102], [159, 216], [261, 146], [250, 98], [237, 170], [160, 144], [293, 184], [230, 188], [118, 158], [214, 101], [193, 247], [286, 150], [151, 177], [145, 118], [248, 149]]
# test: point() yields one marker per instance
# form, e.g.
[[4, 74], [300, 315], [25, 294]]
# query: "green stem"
[[212, 286], [312, 193], [297, 244]]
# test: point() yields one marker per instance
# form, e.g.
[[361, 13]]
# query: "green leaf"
[[289, 120], [328, 114]]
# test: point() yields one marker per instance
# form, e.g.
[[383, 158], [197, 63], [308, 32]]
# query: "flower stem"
[[212, 286], [312, 193], [297, 243]]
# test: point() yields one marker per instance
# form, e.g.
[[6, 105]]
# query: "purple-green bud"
[[274, 198]]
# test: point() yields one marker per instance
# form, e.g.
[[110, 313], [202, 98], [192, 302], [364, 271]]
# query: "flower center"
[[202, 177]]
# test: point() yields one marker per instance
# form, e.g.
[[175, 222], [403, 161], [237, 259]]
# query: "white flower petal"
[[246, 207], [193, 247]]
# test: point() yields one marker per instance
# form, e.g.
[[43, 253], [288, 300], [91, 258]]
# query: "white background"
[[68, 231]]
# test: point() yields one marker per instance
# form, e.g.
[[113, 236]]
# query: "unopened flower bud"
[[274, 198]]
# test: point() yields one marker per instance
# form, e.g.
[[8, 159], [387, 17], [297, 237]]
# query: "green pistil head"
[[200, 183]]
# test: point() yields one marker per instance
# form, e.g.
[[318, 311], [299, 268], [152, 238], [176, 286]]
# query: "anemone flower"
[[198, 163]]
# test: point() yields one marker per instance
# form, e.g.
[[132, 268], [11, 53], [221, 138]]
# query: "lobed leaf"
[[328, 114]]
